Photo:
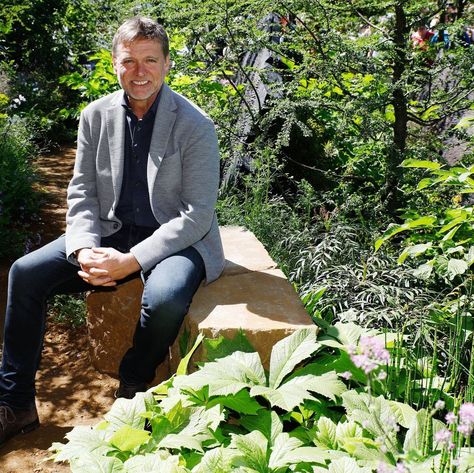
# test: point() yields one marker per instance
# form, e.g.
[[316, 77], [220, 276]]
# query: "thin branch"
[[366, 20]]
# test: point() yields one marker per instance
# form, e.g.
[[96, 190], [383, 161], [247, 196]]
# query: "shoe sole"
[[24, 430]]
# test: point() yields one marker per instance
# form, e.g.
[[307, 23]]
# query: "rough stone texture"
[[252, 295], [263, 304], [111, 319]]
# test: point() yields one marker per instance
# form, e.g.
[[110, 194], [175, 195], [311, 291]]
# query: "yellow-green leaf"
[[128, 438]]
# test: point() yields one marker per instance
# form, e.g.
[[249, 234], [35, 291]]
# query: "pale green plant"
[[232, 416]]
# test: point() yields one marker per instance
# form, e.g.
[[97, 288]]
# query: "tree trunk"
[[396, 152], [460, 9]]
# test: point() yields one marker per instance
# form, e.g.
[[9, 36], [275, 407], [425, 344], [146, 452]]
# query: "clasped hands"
[[105, 266]]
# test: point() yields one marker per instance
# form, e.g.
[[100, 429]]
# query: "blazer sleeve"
[[82, 218], [196, 202]]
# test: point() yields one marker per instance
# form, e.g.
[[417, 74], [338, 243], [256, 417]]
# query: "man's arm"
[[82, 218]]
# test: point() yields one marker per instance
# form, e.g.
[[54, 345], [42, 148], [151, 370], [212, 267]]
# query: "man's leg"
[[167, 295], [32, 279]]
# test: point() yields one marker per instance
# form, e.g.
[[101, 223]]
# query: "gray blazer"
[[183, 179]]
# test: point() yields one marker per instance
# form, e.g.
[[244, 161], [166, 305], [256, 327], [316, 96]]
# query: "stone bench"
[[252, 294]]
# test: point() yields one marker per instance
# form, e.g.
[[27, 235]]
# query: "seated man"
[[141, 200]]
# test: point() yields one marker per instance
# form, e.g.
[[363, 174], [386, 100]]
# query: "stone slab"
[[112, 316], [263, 304], [252, 295], [243, 252]]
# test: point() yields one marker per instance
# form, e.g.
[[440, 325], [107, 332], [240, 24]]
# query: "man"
[[141, 200]]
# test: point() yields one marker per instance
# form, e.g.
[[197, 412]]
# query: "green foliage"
[[18, 201], [68, 309], [229, 424], [446, 243], [339, 277], [92, 83]]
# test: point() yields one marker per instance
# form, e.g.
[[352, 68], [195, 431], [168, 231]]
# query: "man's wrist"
[[76, 253]]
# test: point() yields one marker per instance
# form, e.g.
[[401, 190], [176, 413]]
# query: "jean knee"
[[163, 305], [21, 271]]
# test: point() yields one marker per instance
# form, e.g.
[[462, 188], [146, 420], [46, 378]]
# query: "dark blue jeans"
[[168, 291]]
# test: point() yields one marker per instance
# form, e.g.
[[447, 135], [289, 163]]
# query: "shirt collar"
[[151, 111]]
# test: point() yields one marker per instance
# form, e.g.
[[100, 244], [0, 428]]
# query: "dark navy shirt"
[[134, 204]]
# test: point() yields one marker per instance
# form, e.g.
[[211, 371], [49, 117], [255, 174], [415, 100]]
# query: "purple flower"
[[383, 468], [369, 355], [346, 375], [401, 468], [466, 419], [443, 436], [450, 418]]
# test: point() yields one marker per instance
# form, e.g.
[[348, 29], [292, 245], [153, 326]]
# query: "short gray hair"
[[141, 27]]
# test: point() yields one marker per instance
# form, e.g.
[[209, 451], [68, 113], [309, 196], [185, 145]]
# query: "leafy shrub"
[[339, 277], [443, 241], [18, 200], [231, 416]]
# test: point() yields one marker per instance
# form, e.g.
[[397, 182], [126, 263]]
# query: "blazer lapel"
[[115, 133], [164, 121]]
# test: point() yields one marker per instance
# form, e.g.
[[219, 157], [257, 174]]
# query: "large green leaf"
[[325, 434], [456, 267], [346, 430], [414, 436], [414, 251], [191, 429], [281, 450], [251, 451], [240, 402], [129, 411], [374, 414], [267, 422], [404, 414], [344, 465], [290, 351], [159, 462], [394, 229], [128, 438], [82, 441], [296, 390], [217, 460], [94, 463], [221, 346], [346, 333], [227, 375], [421, 164]]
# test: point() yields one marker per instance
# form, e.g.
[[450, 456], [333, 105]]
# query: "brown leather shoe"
[[16, 421], [128, 391]]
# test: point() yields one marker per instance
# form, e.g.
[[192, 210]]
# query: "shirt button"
[[135, 145], [138, 210]]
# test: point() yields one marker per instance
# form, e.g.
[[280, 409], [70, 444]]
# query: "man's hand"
[[105, 266]]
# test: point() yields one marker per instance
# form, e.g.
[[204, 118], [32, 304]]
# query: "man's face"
[[141, 68]]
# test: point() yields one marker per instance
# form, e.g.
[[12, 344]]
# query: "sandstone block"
[[261, 303], [243, 252], [111, 319], [252, 295]]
